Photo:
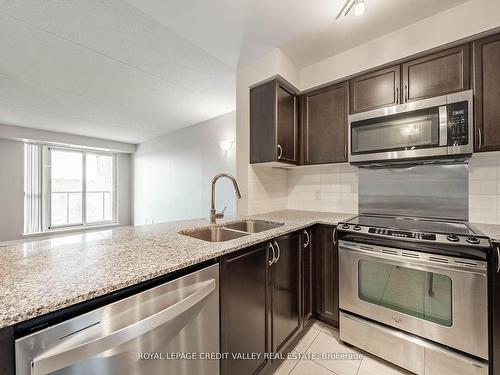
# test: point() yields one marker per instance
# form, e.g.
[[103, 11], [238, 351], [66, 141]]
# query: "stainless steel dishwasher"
[[141, 334]]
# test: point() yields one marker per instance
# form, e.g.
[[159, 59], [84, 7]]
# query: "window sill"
[[55, 233]]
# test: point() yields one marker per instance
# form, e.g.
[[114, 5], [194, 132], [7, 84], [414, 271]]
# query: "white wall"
[[173, 173], [12, 189], [124, 186]]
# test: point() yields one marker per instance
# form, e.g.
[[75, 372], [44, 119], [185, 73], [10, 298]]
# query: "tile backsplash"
[[334, 188], [324, 188], [484, 188]]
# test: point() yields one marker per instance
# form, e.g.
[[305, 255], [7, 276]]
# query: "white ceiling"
[[131, 70]]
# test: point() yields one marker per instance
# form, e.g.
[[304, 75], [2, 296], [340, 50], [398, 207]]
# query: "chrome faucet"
[[214, 215]]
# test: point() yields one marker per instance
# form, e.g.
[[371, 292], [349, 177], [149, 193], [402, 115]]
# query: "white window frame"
[[46, 189]]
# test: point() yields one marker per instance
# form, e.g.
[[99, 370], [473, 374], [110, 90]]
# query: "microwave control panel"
[[458, 132]]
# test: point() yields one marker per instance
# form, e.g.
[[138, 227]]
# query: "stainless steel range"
[[414, 291]]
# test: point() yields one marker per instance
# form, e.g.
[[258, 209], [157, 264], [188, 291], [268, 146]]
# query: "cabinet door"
[[487, 93], [287, 125], [263, 123], [244, 296], [307, 272], [375, 90], [437, 74], [7, 352], [324, 125], [286, 290], [327, 307]]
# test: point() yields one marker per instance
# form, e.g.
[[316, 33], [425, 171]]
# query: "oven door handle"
[[498, 258], [368, 251], [63, 356]]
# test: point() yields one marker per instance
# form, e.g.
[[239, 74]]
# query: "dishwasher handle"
[[50, 362]]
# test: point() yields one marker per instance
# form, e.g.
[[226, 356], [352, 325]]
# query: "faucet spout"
[[214, 215]]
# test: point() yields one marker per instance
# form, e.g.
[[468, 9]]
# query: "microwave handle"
[[443, 126]]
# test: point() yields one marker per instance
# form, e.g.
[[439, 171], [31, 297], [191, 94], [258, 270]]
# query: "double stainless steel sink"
[[230, 231]]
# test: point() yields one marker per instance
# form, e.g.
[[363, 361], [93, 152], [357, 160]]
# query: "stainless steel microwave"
[[424, 129]]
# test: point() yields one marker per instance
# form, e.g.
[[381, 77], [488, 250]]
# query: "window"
[[78, 188]]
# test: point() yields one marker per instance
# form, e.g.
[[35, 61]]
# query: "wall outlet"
[[317, 195]]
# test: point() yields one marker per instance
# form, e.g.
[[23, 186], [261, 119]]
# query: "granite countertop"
[[47, 275]]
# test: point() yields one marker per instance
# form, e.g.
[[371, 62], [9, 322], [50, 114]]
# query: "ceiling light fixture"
[[358, 5]]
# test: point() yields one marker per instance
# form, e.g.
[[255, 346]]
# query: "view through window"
[[81, 188]]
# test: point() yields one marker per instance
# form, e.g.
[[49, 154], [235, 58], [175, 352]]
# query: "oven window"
[[407, 131], [425, 295]]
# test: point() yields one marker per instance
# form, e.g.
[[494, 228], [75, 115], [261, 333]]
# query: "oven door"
[[442, 299]]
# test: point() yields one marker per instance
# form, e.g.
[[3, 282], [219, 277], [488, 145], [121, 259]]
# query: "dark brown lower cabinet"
[[308, 274], [260, 302], [326, 275], [286, 291], [7, 366], [245, 297]]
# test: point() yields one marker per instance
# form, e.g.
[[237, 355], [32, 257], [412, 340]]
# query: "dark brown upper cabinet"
[[375, 90], [273, 123], [437, 74], [487, 93], [324, 125]]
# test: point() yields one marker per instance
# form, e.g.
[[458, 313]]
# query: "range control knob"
[[345, 226], [473, 240], [453, 238], [357, 227]]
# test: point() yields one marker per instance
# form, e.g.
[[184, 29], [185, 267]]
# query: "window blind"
[[32, 188]]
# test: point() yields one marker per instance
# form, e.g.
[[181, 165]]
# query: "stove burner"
[[453, 238]]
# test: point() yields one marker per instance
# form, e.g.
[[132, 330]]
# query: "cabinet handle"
[[397, 95], [480, 140], [498, 258], [308, 239], [345, 151], [333, 235], [406, 93], [280, 151], [279, 251], [274, 254]]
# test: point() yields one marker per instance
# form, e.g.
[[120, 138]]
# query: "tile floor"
[[324, 339]]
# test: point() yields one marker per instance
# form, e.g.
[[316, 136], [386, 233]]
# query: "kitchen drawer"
[[407, 351]]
